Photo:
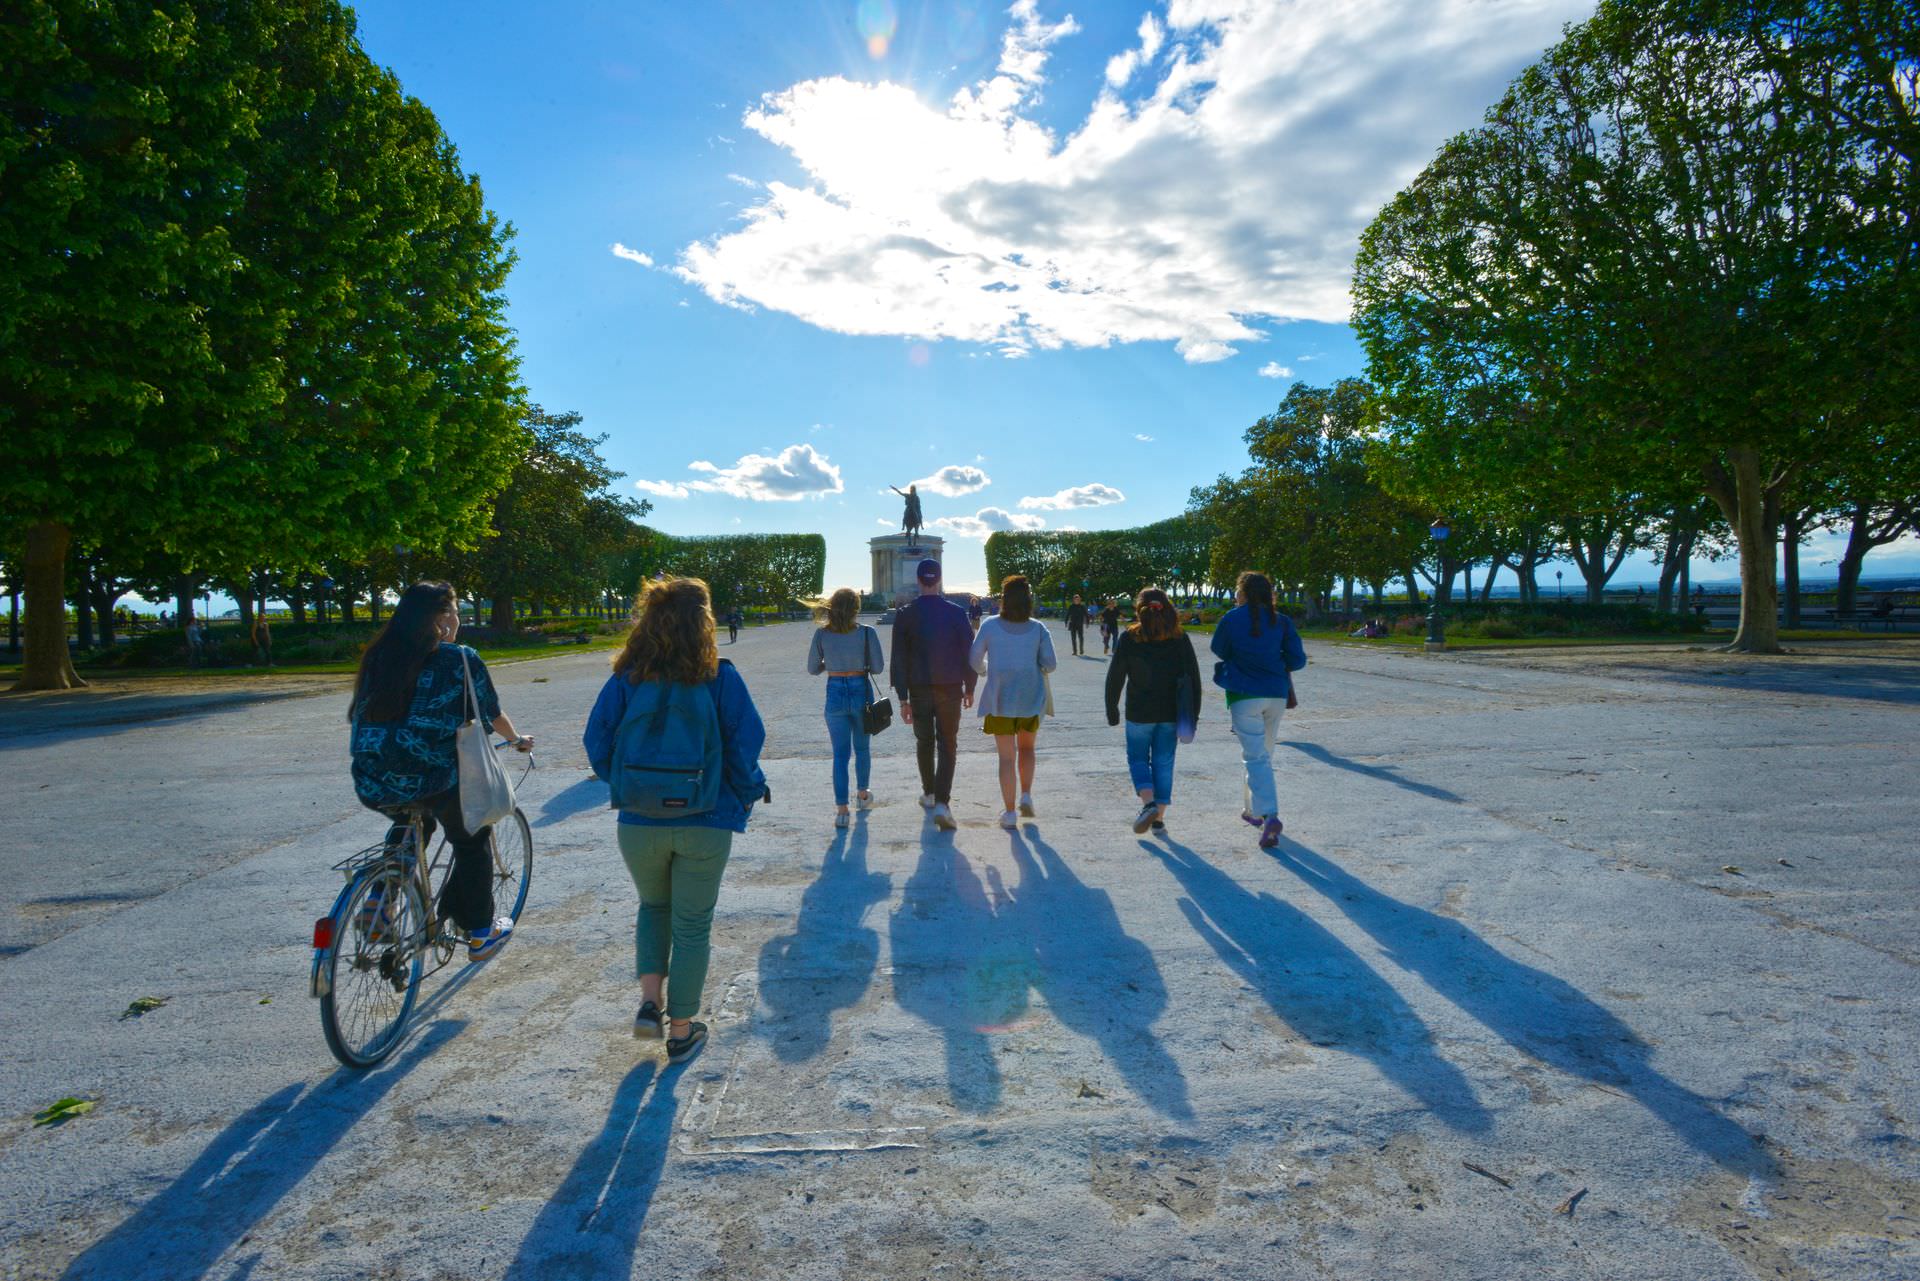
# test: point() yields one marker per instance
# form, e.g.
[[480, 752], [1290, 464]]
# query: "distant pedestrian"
[[848, 651], [262, 640], [1259, 650], [1154, 665], [733, 625], [1015, 653], [932, 675], [1077, 625], [974, 613], [196, 643], [677, 737], [1109, 625]]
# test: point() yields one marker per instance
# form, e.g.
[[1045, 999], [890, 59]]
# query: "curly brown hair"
[[1155, 618], [672, 635]]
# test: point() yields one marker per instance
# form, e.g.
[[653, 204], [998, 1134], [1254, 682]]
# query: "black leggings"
[[467, 899]]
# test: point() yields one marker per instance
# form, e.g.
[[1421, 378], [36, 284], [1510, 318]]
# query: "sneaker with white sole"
[[864, 801], [483, 943], [1148, 815], [1010, 821], [943, 818], [926, 800], [680, 1047], [649, 1022], [842, 819], [1026, 805]]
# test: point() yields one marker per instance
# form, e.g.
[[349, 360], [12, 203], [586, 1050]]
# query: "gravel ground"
[[1596, 964]]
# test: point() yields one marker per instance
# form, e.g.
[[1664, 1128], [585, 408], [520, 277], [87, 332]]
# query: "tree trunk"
[[1413, 587], [346, 607], [1852, 561], [243, 601], [106, 594], [1742, 494], [1790, 533], [183, 602], [1486, 588], [47, 664], [500, 617], [298, 606], [1467, 569], [1673, 565], [83, 608]]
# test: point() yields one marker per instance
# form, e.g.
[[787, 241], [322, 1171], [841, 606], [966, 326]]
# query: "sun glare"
[[876, 21]]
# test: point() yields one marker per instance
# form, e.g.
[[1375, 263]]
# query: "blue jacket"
[[931, 639], [742, 735], [1258, 666]]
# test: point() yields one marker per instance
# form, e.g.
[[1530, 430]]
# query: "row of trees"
[[252, 312], [1673, 277], [1175, 553]]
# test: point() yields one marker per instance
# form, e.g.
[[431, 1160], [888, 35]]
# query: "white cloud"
[[1094, 495], [743, 180], [954, 480], [987, 520], [631, 255], [1143, 438], [1228, 185], [1121, 66], [796, 472], [1274, 369]]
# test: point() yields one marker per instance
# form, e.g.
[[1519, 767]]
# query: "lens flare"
[[876, 22]]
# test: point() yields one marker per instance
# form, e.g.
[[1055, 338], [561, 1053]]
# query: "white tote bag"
[[486, 793]]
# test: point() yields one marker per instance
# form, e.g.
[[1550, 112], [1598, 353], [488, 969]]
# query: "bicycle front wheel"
[[372, 965], [512, 864]]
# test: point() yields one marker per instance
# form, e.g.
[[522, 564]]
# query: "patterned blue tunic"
[[398, 762]]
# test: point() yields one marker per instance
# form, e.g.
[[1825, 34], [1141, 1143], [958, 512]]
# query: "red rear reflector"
[[323, 932]]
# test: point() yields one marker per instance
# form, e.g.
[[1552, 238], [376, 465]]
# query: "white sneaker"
[[1010, 821], [864, 801], [943, 818], [926, 800], [1026, 805]]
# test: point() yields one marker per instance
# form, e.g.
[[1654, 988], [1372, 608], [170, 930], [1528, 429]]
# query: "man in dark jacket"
[[1077, 625], [931, 637]]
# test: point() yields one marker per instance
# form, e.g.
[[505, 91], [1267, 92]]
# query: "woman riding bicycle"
[[409, 698]]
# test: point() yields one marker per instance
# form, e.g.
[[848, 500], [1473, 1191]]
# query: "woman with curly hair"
[[672, 694]]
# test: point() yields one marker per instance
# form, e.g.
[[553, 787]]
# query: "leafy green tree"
[[1665, 245]]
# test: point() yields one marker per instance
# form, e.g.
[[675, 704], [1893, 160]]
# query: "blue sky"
[[788, 255]]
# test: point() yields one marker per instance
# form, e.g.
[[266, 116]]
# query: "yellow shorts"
[[1000, 725]]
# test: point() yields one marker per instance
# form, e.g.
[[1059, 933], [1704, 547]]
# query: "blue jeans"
[[1150, 749], [847, 727]]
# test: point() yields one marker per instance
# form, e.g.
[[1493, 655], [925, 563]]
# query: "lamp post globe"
[[1436, 625]]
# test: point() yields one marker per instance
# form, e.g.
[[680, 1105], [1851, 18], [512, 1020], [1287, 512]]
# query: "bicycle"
[[370, 952]]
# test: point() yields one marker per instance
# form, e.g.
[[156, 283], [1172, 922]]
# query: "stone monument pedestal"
[[895, 560]]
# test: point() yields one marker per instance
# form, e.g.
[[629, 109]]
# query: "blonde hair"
[[672, 635], [842, 613]]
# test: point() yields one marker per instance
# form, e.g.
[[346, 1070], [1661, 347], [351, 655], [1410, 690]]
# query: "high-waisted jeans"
[[847, 727]]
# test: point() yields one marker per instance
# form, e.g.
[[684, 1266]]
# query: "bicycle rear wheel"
[[370, 968], [512, 865]]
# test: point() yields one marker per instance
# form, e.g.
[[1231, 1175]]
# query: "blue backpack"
[[667, 753]]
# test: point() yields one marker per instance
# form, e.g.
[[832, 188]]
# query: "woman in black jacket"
[[1155, 664]]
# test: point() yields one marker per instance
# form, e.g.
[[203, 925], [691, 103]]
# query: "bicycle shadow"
[[955, 968], [1097, 979], [591, 1225], [1539, 1014], [1318, 986], [828, 961], [588, 794], [237, 1180]]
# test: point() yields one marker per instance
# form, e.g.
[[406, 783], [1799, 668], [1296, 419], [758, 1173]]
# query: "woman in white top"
[[1014, 651]]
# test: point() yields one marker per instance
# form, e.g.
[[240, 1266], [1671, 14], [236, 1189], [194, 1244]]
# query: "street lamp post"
[[1436, 626], [1559, 579]]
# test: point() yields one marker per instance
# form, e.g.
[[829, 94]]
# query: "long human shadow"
[[955, 968], [589, 793], [237, 1180], [1318, 986], [1097, 979], [1537, 1013], [591, 1225], [1381, 772], [827, 962]]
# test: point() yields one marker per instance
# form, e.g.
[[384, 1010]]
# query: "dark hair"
[[673, 636], [390, 667], [1154, 618], [1258, 589], [1016, 598]]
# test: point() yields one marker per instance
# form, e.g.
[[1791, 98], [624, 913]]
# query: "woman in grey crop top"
[[848, 651]]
